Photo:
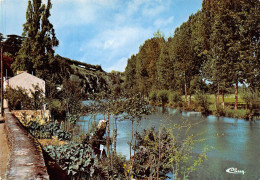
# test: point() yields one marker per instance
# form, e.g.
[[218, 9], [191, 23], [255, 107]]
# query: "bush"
[[152, 96], [232, 113], [175, 99], [76, 160], [241, 113], [163, 96], [18, 99], [202, 100], [219, 111], [46, 131], [158, 153], [250, 97]]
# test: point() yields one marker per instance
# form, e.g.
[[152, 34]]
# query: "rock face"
[[25, 158], [91, 78]]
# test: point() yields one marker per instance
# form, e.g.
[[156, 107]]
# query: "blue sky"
[[103, 32]]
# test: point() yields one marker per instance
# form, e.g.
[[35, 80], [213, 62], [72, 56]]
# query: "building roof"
[[26, 81]]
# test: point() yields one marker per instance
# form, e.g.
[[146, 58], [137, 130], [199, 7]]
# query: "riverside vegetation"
[[213, 53], [207, 57]]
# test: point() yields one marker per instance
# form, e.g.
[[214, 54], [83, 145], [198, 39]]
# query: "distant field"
[[229, 98]]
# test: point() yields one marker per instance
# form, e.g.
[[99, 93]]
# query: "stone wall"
[[26, 158]]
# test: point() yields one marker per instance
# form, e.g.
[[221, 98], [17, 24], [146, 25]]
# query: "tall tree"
[[40, 39], [165, 69], [130, 73], [146, 61]]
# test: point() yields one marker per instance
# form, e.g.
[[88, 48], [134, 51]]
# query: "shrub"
[[251, 98], [45, 131], [202, 100], [152, 96], [76, 160], [167, 150], [163, 96], [18, 99], [175, 99], [219, 111]]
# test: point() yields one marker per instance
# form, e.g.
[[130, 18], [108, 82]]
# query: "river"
[[235, 142]]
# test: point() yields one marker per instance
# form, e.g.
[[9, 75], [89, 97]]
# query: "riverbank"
[[218, 112]]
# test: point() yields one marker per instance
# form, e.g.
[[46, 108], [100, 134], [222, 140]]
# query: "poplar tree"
[[165, 69], [130, 73], [38, 46]]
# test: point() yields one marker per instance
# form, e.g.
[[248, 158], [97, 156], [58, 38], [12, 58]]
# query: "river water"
[[235, 142]]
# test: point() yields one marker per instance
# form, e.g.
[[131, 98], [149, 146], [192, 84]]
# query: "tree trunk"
[[185, 92], [115, 135], [218, 93], [108, 136], [189, 100], [236, 95], [223, 100], [131, 139], [159, 158], [215, 101]]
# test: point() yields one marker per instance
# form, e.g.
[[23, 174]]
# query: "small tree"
[[18, 98], [38, 97], [202, 100], [163, 96]]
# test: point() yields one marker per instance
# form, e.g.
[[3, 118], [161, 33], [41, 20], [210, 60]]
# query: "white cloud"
[[118, 65], [113, 44], [114, 39], [79, 12], [154, 10], [163, 22]]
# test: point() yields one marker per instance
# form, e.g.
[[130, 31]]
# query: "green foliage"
[[232, 113], [46, 131], [153, 96], [166, 150], [77, 160], [218, 43], [38, 97], [38, 46], [202, 100], [18, 99], [163, 96], [116, 171], [219, 111], [72, 97], [22, 99], [12, 45], [251, 98], [175, 99]]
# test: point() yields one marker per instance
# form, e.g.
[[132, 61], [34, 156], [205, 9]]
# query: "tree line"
[[215, 49]]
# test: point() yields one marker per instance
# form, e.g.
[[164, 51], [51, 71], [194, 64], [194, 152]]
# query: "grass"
[[229, 110], [229, 98]]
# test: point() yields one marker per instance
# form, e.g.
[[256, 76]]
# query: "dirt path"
[[4, 151]]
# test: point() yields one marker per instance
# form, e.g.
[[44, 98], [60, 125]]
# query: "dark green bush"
[[175, 99], [163, 96], [76, 159], [47, 131], [18, 99], [152, 96], [202, 100]]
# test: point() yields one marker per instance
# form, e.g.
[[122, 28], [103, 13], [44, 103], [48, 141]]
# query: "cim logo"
[[233, 170]]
